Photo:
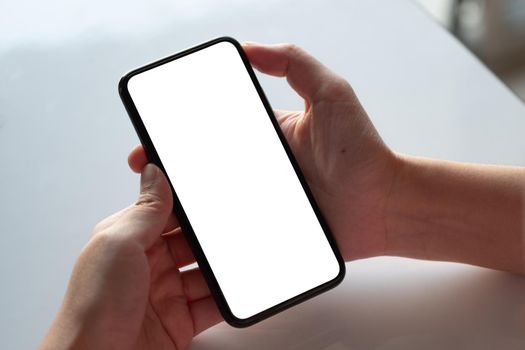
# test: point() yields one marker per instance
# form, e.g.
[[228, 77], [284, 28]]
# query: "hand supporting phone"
[[246, 210]]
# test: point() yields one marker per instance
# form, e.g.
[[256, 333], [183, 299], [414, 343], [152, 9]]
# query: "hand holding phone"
[[241, 199], [344, 161], [340, 153]]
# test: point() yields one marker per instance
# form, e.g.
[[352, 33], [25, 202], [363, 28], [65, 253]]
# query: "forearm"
[[440, 210]]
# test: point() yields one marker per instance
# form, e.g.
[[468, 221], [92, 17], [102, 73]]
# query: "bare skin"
[[126, 290]]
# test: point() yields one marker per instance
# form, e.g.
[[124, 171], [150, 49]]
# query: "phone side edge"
[[178, 209], [241, 323], [152, 155]]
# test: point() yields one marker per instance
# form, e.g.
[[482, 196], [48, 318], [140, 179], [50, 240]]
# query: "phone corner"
[[342, 272], [123, 84], [235, 321], [229, 39]]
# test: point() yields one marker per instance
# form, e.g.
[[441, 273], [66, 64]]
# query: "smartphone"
[[242, 201]]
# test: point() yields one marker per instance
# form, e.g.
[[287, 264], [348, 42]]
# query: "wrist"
[[398, 240], [422, 210], [449, 211], [399, 166], [361, 230]]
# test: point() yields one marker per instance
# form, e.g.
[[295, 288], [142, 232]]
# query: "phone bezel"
[[179, 210]]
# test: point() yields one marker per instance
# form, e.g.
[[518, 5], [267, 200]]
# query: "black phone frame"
[[179, 210]]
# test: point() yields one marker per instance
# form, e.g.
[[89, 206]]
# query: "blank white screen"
[[233, 178]]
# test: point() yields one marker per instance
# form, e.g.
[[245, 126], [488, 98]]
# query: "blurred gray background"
[[493, 29], [64, 139]]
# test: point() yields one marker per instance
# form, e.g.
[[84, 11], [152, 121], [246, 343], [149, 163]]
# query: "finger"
[[179, 249], [305, 74], [137, 159], [279, 113], [195, 287], [171, 233], [157, 254], [145, 220], [284, 117], [205, 314], [172, 223], [165, 273]]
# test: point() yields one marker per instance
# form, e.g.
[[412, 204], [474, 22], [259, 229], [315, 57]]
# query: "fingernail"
[[148, 176], [248, 43]]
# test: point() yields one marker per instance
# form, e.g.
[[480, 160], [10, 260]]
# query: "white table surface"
[[64, 138]]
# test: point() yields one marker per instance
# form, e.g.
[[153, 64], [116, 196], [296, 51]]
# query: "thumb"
[[305, 74], [145, 220]]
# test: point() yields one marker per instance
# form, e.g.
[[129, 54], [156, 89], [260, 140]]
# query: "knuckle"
[[344, 85], [149, 200], [293, 49], [337, 89]]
